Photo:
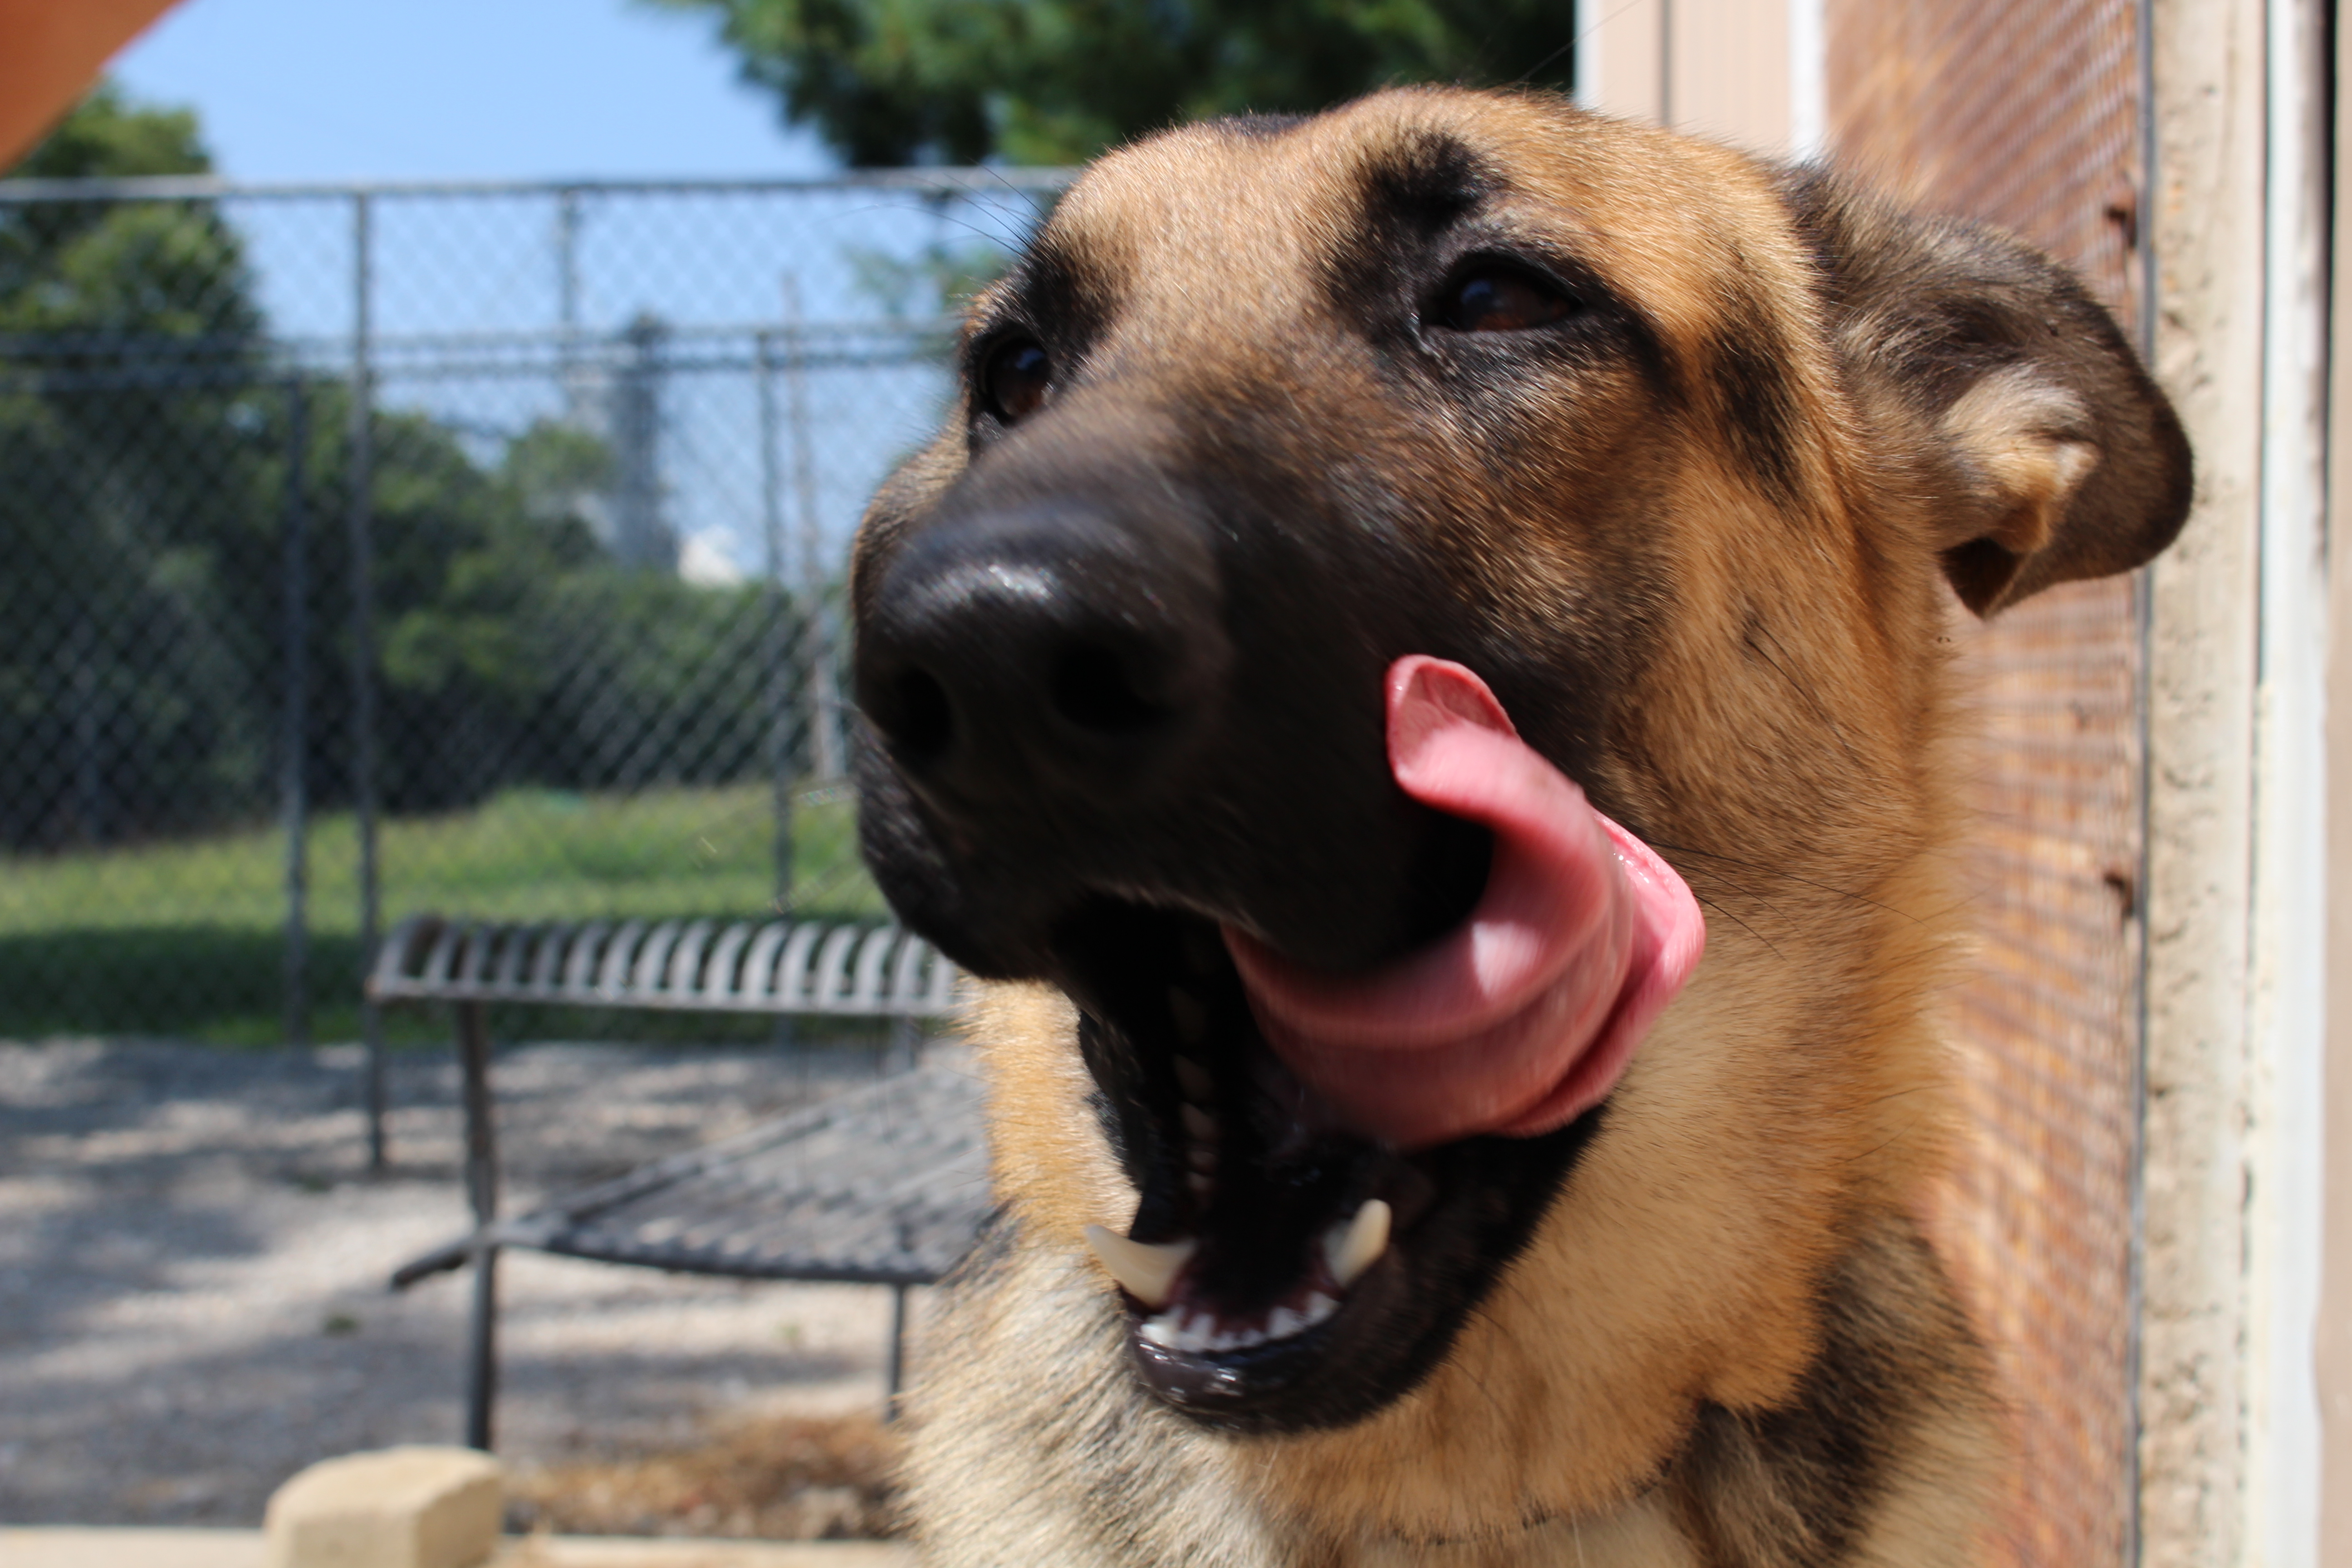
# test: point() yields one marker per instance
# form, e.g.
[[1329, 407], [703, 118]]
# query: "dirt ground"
[[193, 1266]]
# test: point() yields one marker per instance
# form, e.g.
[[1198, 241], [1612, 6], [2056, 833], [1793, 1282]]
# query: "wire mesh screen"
[[465, 548], [2026, 113]]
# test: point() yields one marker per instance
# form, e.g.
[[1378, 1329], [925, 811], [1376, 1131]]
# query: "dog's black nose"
[[1057, 648]]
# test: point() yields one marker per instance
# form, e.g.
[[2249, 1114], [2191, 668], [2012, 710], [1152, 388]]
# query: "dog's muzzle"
[[1134, 740]]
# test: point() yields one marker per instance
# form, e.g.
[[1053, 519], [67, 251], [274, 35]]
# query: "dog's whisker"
[[1007, 237], [1743, 889], [1811, 698], [1742, 924], [1884, 1145], [1786, 875]]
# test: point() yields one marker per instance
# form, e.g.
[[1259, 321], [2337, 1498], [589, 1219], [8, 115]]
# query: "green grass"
[[187, 937]]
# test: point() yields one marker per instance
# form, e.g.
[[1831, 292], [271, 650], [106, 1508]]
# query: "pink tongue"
[[1523, 1016]]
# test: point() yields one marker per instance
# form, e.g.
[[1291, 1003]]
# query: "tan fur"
[[1786, 744]]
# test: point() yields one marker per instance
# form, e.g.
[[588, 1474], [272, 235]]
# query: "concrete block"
[[395, 1508]]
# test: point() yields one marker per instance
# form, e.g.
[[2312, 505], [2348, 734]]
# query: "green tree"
[[148, 434], [1056, 81], [126, 331]]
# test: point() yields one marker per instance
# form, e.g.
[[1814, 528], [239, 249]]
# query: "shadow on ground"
[[193, 1258]]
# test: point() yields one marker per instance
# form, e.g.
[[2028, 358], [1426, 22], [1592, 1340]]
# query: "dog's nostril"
[[1091, 688], [922, 719]]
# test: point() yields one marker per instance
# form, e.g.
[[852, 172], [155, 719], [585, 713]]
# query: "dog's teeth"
[[1356, 1248], [1160, 1330], [1191, 1018], [1194, 1079], [1199, 1122], [1319, 1307], [1284, 1324], [1147, 1270]]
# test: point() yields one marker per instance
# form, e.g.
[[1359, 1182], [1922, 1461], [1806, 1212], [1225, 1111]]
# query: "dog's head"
[[1672, 451]]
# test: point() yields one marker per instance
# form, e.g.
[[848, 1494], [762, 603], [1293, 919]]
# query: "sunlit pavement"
[[70, 1547]]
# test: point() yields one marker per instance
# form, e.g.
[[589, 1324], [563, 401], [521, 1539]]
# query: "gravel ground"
[[192, 1259]]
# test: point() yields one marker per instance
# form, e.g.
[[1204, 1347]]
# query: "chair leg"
[[482, 1353], [482, 1195], [895, 1370]]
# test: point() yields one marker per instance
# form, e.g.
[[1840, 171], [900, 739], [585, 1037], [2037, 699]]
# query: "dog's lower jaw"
[[1734, 1492], [1494, 1461]]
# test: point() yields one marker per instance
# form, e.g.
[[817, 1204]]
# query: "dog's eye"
[[1496, 301], [1014, 380]]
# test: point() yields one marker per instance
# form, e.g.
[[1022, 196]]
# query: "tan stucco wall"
[[1712, 68], [2335, 1336], [2207, 224]]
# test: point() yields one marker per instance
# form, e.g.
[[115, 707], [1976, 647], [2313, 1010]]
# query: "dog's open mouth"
[[1331, 1169]]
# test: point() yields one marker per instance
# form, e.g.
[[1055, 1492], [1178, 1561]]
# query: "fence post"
[[567, 299], [825, 758], [641, 535], [776, 657], [295, 796], [90, 734], [361, 459]]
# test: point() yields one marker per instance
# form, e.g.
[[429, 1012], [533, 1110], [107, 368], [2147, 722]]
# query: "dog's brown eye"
[[1500, 301], [1014, 381]]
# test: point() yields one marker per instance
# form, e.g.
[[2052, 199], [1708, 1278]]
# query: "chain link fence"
[[477, 548]]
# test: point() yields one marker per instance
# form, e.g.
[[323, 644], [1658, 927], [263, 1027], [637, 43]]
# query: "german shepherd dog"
[[1395, 586]]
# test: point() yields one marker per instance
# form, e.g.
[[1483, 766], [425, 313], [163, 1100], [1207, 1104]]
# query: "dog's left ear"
[[2040, 449]]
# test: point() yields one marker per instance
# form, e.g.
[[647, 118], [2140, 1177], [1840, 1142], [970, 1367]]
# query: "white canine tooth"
[[1194, 1081], [1318, 1307], [1160, 1330], [1191, 1018], [1199, 1122], [1147, 1270], [1357, 1248], [1284, 1324]]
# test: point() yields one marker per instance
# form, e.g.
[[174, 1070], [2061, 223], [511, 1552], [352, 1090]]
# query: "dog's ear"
[[2039, 450]]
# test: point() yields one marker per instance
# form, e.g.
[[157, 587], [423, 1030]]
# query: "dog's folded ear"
[[2035, 444]]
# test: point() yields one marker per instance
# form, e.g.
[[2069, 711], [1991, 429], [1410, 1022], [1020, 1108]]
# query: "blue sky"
[[551, 90], [304, 90]]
